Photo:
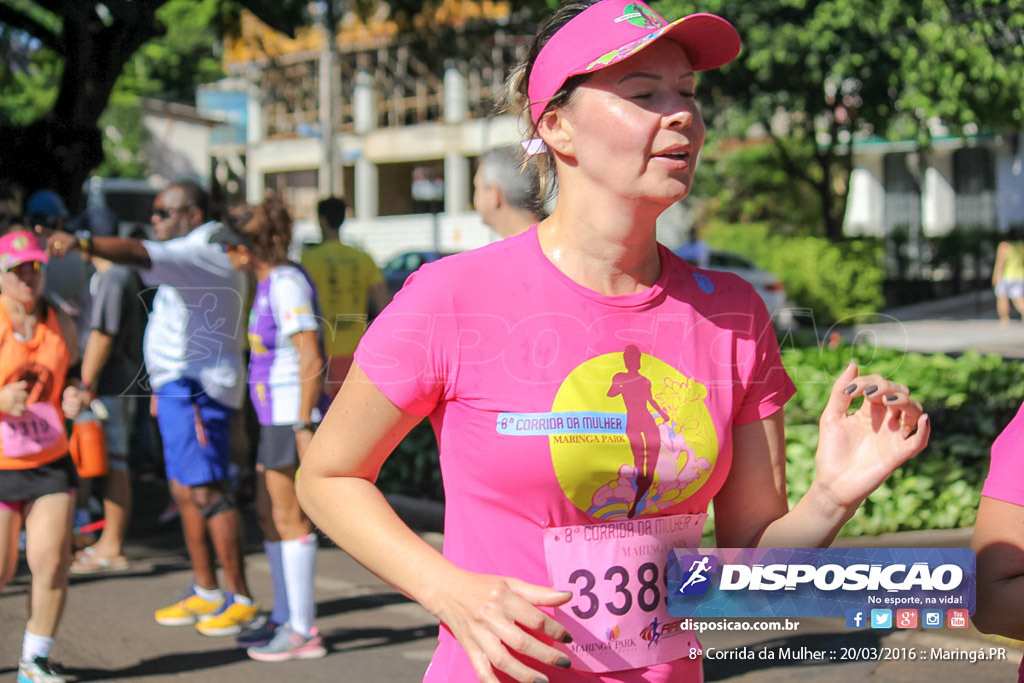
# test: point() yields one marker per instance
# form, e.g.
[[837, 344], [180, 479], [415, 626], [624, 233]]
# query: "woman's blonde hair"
[[516, 98]]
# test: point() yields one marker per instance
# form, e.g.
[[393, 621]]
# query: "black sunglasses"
[[26, 267], [164, 214]]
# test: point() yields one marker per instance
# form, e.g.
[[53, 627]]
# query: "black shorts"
[[277, 449], [58, 476]]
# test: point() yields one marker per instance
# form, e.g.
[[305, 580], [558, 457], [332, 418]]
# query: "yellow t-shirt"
[[1013, 267], [344, 276]]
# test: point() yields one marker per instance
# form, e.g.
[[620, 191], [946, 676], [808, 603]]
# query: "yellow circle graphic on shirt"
[[639, 436]]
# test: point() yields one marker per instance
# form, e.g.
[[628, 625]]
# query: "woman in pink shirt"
[[530, 356]]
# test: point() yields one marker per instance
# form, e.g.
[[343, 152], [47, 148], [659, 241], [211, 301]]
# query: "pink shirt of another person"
[[999, 538]]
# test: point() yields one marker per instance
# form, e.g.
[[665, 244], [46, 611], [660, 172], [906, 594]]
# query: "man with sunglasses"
[[193, 355]]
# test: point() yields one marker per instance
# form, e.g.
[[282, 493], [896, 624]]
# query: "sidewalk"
[[950, 325]]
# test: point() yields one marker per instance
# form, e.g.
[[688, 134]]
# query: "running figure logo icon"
[[696, 580]]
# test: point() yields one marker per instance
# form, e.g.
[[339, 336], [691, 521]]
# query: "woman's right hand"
[[495, 616], [13, 397]]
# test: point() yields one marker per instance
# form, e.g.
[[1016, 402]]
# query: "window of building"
[[974, 181]]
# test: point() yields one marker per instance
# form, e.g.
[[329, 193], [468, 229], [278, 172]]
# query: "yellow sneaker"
[[187, 611], [234, 614]]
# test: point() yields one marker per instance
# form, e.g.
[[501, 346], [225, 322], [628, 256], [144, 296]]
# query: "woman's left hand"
[[857, 451]]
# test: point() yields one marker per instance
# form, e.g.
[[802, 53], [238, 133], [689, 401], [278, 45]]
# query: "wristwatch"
[[84, 238], [304, 427]]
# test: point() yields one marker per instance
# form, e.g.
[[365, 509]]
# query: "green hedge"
[[413, 468], [837, 282], [969, 399]]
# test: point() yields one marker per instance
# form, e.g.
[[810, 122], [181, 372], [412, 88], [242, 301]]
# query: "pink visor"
[[612, 30], [20, 247]]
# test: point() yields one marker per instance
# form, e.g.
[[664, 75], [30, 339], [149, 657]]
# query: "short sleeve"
[[1005, 480], [373, 274], [184, 261], [292, 303], [108, 301], [768, 385], [410, 351]]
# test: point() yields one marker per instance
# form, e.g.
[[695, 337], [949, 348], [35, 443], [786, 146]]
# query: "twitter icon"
[[881, 618]]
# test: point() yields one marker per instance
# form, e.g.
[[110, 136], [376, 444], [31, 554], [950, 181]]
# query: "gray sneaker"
[[259, 636], [39, 670], [287, 644]]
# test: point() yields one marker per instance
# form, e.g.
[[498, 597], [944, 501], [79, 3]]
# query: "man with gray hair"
[[507, 193]]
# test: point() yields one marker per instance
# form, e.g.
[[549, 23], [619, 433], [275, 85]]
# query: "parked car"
[[132, 201], [768, 286], [399, 267]]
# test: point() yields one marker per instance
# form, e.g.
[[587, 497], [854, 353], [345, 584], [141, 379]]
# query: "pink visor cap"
[[20, 247], [612, 30]]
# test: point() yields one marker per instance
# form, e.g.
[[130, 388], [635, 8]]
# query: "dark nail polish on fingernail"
[[566, 638], [539, 680], [891, 397], [850, 389], [868, 390], [564, 663]]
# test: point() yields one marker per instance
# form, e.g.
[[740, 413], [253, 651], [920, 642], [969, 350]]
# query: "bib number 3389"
[[616, 572]]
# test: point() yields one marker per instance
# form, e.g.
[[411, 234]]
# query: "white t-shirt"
[[195, 330]]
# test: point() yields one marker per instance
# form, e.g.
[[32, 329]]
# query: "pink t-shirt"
[[1005, 479], [1006, 474], [548, 399]]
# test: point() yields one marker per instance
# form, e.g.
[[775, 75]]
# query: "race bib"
[[40, 427], [618, 616]]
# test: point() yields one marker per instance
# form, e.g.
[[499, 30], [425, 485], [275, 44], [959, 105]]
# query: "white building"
[[975, 182]]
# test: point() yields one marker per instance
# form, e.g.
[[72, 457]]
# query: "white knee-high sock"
[[279, 615], [33, 646], [299, 559]]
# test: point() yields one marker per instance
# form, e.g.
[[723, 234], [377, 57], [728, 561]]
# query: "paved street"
[[947, 326], [377, 636]]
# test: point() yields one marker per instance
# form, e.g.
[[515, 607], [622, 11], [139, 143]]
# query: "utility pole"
[[329, 176]]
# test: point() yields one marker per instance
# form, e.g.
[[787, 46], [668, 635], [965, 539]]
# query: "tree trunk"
[[60, 150]]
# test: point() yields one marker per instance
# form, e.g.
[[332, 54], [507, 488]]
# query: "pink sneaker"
[[287, 644]]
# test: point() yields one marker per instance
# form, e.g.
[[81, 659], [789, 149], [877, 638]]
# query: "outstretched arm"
[[489, 615], [115, 249]]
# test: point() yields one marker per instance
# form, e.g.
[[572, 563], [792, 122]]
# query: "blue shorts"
[[196, 431]]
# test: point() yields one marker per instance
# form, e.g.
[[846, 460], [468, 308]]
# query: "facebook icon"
[[855, 618]]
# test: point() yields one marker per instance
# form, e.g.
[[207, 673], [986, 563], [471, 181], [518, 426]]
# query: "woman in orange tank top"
[[37, 476]]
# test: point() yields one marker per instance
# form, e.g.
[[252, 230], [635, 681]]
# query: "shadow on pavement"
[[164, 665], [360, 602], [352, 640]]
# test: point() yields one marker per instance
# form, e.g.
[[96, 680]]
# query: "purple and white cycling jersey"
[[285, 304]]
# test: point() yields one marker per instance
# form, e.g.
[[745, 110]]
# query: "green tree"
[[62, 59], [168, 67], [817, 75]]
